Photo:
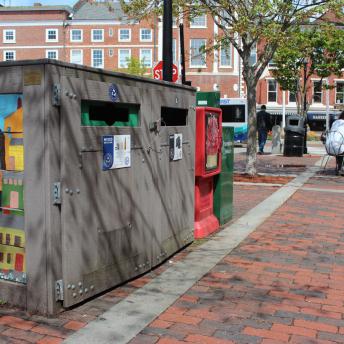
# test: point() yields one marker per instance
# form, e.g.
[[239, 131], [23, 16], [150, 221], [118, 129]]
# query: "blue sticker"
[[108, 142], [113, 92]]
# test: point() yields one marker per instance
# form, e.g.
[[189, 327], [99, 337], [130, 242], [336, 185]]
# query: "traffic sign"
[[157, 71]]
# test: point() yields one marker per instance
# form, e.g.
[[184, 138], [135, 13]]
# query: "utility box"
[[223, 182], [210, 99], [97, 180]]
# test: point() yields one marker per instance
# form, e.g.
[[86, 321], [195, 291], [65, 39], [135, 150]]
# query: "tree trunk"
[[251, 152]]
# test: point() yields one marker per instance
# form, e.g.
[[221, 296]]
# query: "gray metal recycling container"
[[97, 180]]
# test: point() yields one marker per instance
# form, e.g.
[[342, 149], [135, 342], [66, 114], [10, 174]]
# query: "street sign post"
[[157, 72]]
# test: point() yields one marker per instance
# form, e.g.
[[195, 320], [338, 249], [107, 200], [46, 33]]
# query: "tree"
[[135, 67], [309, 51], [246, 24]]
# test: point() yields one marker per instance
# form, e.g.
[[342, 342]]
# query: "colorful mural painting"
[[12, 234]]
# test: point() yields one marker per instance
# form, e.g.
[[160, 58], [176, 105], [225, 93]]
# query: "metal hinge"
[[57, 95], [59, 290], [57, 193]]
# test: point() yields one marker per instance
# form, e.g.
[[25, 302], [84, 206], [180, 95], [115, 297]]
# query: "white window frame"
[[81, 55], [47, 39], [92, 62], [145, 39], [76, 40], [199, 26], [339, 82], [97, 40], [268, 91], [205, 54], [111, 32], [231, 57], [52, 51], [313, 93], [5, 40], [151, 57], [119, 35], [9, 51], [272, 64], [119, 55]]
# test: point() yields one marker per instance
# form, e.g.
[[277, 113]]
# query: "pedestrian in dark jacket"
[[263, 126]]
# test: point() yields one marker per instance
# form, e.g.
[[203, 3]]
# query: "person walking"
[[263, 126]]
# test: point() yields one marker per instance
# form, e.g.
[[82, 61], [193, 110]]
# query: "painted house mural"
[[12, 234]]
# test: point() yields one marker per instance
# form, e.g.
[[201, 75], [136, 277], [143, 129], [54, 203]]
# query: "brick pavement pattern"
[[285, 277], [284, 283]]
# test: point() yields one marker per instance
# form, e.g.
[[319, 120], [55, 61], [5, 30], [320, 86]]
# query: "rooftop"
[[36, 8]]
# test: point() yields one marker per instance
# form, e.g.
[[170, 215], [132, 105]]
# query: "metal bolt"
[[67, 93], [143, 160], [73, 286], [86, 290], [92, 287], [71, 192], [136, 268], [74, 294], [77, 191], [68, 286], [80, 292], [66, 190], [74, 96], [80, 284]]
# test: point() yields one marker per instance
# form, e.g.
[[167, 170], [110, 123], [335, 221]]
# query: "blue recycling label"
[[113, 92], [108, 149]]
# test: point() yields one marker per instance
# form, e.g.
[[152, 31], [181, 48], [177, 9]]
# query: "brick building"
[[99, 34]]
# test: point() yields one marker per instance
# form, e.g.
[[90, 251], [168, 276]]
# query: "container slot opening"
[[173, 117], [96, 113]]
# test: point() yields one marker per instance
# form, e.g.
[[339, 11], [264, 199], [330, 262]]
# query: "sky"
[[31, 2]]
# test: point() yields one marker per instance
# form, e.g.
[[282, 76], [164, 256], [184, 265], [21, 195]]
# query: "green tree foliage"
[[245, 24], [135, 67], [314, 50]]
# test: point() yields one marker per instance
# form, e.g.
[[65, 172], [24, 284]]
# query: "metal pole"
[[182, 52], [167, 41], [283, 110], [327, 106]]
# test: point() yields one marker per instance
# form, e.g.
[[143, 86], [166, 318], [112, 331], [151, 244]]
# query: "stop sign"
[[157, 72]]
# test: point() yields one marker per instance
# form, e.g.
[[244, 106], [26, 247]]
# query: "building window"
[[199, 22], [146, 57], [111, 52], [124, 35], [145, 35], [9, 55], [174, 50], [76, 35], [51, 54], [292, 97], [97, 35], [9, 36], [76, 56], [253, 55], [339, 92], [317, 92], [272, 64], [226, 56], [51, 35], [8, 239], [123, 57], [110, 32], [197, 53], [17, 241], [272, 91], [8, 258], [1, 257], [98, 58]]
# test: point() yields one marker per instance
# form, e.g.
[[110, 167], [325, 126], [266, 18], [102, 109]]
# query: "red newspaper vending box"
[[207, 165]]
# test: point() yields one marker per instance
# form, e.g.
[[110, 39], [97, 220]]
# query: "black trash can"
[[294, 136]]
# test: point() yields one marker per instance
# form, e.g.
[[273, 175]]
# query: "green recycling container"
[[223, 183], [211, 99]]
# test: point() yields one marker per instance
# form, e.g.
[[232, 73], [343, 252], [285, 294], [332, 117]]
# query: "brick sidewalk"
[[284, 283], [19, 327]]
